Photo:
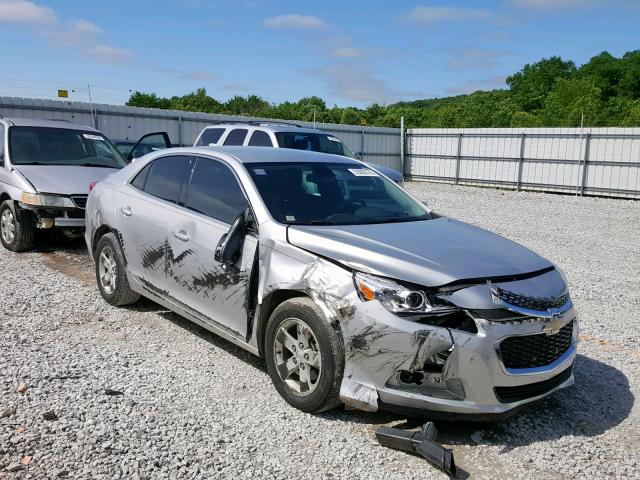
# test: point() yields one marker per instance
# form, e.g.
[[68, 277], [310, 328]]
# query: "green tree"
[[569, 100], [197, 101], [531, 85], [149, 100]]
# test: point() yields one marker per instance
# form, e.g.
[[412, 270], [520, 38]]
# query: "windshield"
[[317, 142], [60, 146], [332, 194]]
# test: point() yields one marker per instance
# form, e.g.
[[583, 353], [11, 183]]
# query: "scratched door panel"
[[204, 284], [144, 231]]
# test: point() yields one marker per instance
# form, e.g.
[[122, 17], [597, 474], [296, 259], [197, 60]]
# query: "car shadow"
[[146, 305], [600, 400]]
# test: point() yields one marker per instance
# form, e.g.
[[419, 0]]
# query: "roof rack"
[[257, 122], [58, 120]]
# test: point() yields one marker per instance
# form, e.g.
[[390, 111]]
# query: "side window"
[[260, 139], [141, 178], [209, 136], [236, 137], [165, 178], [214, 191]]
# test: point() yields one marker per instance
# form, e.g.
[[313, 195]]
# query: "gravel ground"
[[141, 393]]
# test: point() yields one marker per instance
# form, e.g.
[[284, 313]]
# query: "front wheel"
[[17, 228], [111, 275], [304, 356]]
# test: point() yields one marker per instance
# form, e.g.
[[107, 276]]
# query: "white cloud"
[[79, 35], [76, 34], [26, 12], [348, 52], [424, 14], [358, 82], [200, 75], [109, 54], [295, 21]]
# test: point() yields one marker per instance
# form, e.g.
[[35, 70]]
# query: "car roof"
[[273, 127], [266, 155], [33, 122]]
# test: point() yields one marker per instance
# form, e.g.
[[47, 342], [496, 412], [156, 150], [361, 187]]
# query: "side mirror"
[[228, 249]]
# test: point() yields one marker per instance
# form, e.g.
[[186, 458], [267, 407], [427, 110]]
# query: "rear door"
[[145, 209], [212, 200]]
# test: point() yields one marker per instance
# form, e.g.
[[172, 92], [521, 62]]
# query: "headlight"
[[394, 297], [42, 200]]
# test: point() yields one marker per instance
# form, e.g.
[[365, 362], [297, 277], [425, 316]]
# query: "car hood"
[[431, 252], [393, 174], [63, 180]]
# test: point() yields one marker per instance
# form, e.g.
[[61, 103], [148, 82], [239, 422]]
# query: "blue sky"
[[347, 52]]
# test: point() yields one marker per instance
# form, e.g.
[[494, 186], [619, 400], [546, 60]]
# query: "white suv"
[[281, 135]]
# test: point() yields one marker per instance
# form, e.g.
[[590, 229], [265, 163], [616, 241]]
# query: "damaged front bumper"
[[56, 217], [399, 364]]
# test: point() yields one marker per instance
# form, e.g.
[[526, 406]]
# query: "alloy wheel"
[[107, 270], [8, 226], [297, 356]]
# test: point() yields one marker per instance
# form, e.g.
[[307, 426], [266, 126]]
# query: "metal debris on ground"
[[421, 442]]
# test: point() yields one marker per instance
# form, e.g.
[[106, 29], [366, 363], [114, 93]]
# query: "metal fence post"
[[585, 166], [521, 161], [458, 158], [179, 130], [402, 146], [362, 146]]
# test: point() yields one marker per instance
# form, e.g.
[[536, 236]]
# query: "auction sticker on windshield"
[[363, 172], [89, 136]]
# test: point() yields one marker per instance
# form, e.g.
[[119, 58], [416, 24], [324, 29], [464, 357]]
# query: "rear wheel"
[[304, 356], [111, 274], [16, 228]]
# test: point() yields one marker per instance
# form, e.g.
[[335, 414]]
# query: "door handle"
[[181, 235], [126, 211]]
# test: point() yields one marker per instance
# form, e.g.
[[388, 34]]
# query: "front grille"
[[530, 351], [532, 303], [522, 392], [79, 200]]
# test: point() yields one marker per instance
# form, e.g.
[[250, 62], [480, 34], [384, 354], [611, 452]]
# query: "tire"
[[111, 274], [17, 227], [323, 342]]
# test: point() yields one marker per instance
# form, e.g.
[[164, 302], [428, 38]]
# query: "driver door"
[[215, 290], [149, 143]]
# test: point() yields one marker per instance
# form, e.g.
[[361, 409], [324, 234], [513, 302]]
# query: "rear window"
[[209, 136], [61, 146], [260, 139], [316, 142]]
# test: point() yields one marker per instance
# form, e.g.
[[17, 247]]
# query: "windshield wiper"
[[313, 222], [88, 164]]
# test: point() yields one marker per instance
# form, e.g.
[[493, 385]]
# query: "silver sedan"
[[352, 290]]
